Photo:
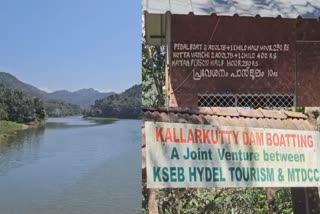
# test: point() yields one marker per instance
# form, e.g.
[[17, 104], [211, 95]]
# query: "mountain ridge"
[[10, 81], [83, 97]]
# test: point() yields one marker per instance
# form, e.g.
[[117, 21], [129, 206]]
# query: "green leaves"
[[284, 205], [17, 107], [57, 108], [221, 200], [125, 105], [153, 75]]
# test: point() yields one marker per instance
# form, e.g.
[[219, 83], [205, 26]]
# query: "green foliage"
[[56, 108], [144, 199], [300, 109], [8, 126], [17, 107], [221, 200], [214, 200], [153, 75], [53, 107], [284, 202], [125, 105]]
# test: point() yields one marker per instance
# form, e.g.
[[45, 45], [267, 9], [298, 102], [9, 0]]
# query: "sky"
[[72, 44]]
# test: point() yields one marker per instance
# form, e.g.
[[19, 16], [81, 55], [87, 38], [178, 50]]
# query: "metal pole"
[[168, 58]]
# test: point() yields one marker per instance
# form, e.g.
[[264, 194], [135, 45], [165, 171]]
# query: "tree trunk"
[[152, 201], [272, 204]]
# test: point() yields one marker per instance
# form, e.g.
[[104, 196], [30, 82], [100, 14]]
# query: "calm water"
[[72, 166]]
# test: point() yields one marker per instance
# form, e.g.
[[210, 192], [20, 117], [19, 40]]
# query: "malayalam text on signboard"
[[232, 54], [228, 61]]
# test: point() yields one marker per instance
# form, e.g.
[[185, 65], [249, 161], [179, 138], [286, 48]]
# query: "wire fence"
[[273, 101]]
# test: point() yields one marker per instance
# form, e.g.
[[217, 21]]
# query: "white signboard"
[[189, 155]]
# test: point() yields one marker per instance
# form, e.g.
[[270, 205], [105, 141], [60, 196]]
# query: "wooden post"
[[152, 202], [168, 58], [271, 197], [305, 200]]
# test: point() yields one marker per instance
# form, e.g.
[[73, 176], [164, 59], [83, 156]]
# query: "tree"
[[39, 108], [124, 105], [153, 75], [18, 107]]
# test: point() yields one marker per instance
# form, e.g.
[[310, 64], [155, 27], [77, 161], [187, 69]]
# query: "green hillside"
[[53, 108], [126, 105]]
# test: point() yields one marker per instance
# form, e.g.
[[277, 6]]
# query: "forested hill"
[[53, 108], [126, 105], [9, 81], [62, 103], [83, 97], [16, 106]]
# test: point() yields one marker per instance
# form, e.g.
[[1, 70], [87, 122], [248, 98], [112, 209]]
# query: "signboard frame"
[[183, 90], [170, 148]]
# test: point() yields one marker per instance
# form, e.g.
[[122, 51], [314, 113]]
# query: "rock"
[[313, 114]]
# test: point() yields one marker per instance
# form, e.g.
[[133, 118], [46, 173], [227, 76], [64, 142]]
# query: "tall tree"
[[153, 75]]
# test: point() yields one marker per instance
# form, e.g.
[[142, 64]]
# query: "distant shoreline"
[[100, 118], [108, 118]]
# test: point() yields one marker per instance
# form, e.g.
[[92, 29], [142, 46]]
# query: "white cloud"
[[105, 90], [45, 89]]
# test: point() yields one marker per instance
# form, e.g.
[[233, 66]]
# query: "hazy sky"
[[72, 44]]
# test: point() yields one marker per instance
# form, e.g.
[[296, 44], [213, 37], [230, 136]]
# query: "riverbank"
[[8, 128]]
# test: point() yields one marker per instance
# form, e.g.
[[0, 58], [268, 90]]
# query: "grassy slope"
[[8, 128]]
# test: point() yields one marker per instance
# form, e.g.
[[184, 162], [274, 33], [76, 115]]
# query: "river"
[[72, 165]]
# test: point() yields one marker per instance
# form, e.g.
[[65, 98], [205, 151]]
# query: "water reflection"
[[75, 122], [72, 165], [21, 148]]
